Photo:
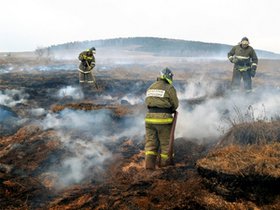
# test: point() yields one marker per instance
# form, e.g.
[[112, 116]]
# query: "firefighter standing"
[[161, 100], [245, 64], [86, 66]]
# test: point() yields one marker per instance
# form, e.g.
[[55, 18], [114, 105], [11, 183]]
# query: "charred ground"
[[206, 175]]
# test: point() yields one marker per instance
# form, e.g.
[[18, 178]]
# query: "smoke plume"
[[90, 138], [74, 92], [12, 97], [213, 116]]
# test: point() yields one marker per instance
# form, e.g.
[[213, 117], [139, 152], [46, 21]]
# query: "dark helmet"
[[167, 74], [245, 39], [244, 42], [91, 51]]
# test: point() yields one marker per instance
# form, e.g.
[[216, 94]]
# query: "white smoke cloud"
[[74, 92], [87, 157], [200, 123], [86, 136], [37, 112], [133, 100], [197, 88], [108, 97], [211, 118], [266, 106], [12, 97]]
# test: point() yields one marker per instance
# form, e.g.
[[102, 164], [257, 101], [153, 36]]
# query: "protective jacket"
[[87, 61], [161, 100], [243, 58]]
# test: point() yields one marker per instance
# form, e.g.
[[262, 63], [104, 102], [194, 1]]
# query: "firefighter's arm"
[[81, 56], [173, 98], [91, 66], [254, 60], [93, 62], [231, 54]]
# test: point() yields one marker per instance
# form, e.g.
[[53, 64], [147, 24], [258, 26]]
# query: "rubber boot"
[[166, 162], [150, 162]]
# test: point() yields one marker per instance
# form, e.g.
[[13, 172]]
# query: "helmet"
[[167, 74], [244, 42], [245, 39], [91, 50]]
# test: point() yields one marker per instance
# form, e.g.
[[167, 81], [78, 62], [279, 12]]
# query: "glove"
[[90, 67], [253, 72], [230, 59], [254, 67]]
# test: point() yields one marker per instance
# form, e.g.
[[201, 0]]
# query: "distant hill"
[[160, 47]]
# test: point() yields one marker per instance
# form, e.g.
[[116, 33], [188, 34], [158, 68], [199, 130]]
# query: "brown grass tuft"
[[250, 160], [252, 133]]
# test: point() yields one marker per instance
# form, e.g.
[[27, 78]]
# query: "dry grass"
[[176, 188], [251, 160], [252, 133], [118, 110], [132, 65], [248, 149]]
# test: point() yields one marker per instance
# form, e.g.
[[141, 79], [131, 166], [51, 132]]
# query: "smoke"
[[74, 92], [12, 97], [109, 97], [10, 122], [264, 105], [57, 67], [37, 112], [197, 88], [88, 156], [211, 118], [201, 122], [6, 68], [132, 99], [90, 138]]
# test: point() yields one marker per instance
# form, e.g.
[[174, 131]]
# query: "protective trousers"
[[236, 78], [86, 77], [157, 142]]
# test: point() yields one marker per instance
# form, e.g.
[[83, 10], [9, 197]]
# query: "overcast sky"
[[28, 24]]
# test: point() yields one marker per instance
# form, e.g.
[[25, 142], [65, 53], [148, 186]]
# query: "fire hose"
[[171, 141]]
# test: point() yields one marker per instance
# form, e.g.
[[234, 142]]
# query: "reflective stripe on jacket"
[[161, 95], [158, 120], [243, 57]]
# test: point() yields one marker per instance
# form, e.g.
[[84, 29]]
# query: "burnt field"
[[66, 146]]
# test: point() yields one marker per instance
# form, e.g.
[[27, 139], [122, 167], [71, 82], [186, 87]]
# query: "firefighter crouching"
[[86, 66], [161, 100], [245, 64]]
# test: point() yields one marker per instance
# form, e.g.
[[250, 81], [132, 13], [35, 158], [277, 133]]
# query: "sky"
[[30, 24]]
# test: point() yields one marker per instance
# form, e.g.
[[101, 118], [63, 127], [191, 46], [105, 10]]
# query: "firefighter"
[[86, 66], [161, 100], [245, 62]]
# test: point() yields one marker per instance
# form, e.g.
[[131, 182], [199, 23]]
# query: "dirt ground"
[[33, 174]]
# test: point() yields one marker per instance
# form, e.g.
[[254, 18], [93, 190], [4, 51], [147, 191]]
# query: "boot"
[[150, 162], [167, 162]]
